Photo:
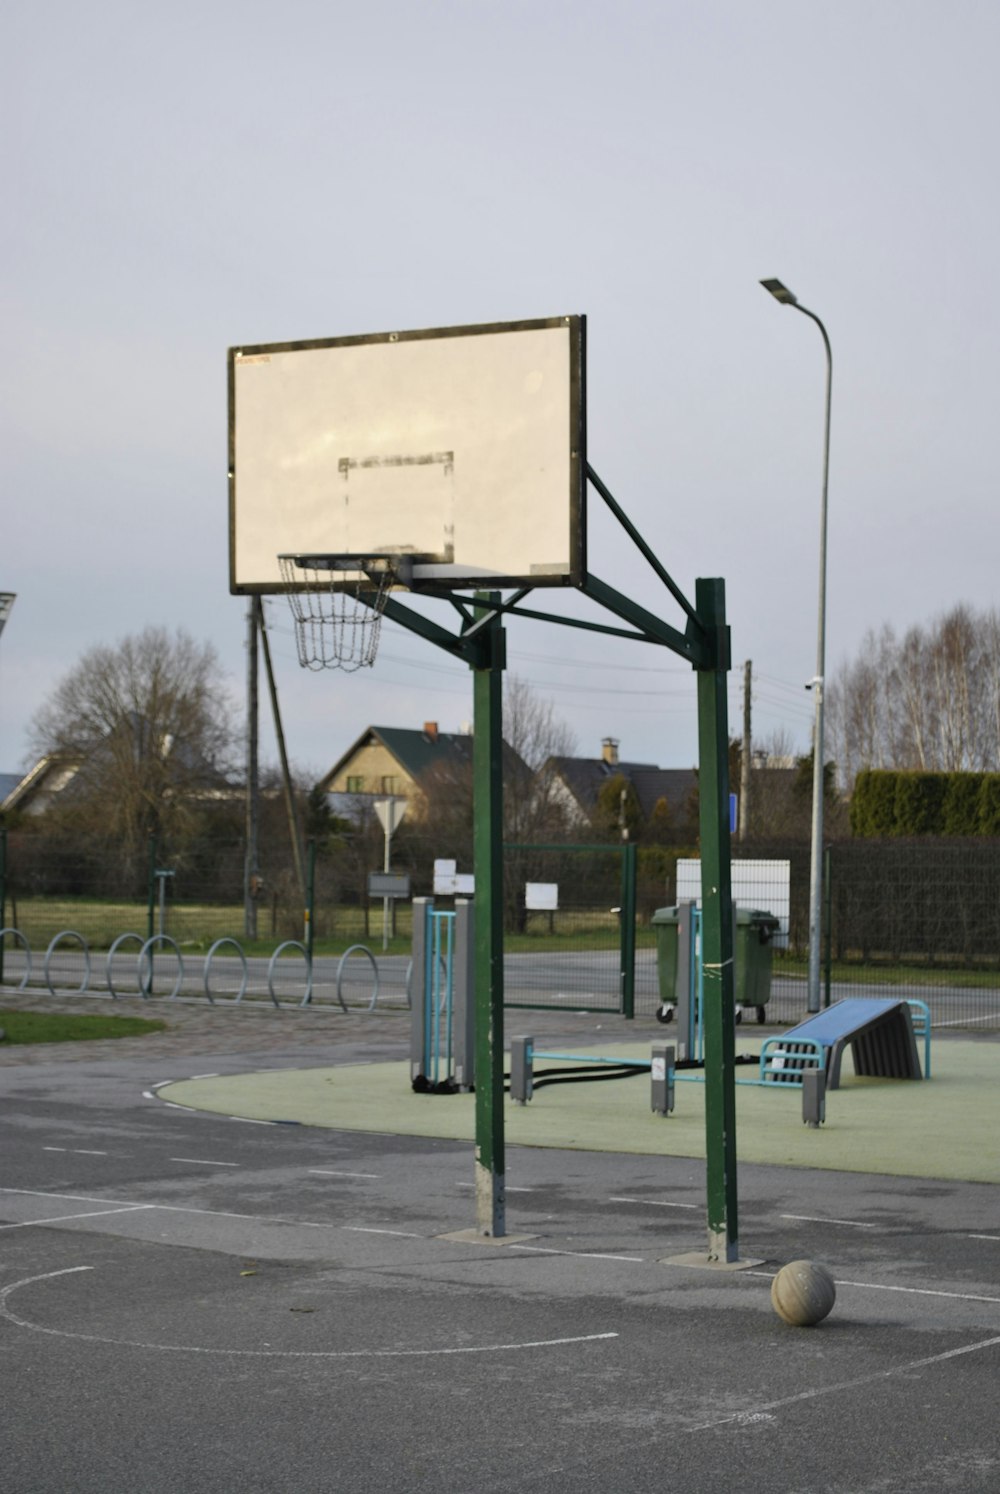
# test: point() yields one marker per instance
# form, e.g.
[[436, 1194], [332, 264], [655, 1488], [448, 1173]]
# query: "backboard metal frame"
[[433, 573]]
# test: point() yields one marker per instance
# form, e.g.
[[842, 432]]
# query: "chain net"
[[337, 622]]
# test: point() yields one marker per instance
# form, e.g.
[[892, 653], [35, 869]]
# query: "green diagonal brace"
[[691, 645]]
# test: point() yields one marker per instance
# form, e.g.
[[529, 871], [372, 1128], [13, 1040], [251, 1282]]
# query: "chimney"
[[431, 730], [609, 750]]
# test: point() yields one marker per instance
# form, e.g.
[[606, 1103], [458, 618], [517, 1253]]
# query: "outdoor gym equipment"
[[882, 1036], [524, 1078], [442, 1037]]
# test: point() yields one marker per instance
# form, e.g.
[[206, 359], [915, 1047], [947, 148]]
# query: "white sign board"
[[388, 884], [764, 885], [465, 885], [445, 878], [541, 897]]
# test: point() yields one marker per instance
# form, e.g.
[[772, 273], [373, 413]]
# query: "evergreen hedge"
[[887, 802]]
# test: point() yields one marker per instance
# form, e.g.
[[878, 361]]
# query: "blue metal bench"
[[882, 1035]]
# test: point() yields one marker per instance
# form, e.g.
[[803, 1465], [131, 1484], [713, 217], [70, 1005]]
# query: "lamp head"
[[780, 292]]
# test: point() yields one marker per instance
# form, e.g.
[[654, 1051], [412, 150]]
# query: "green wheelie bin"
[[755, 930]]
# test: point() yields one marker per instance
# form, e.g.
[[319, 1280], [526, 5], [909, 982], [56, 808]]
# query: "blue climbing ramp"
[[879, 1032]]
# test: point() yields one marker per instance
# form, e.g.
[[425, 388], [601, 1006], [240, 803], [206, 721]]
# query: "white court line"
[[413, 1235], [888, 1374], [176, 1209], [92, 1214], [87, 1198], [323, 1172], [405, 1234], [815, 1219], [203, 1162], [204, 1076], [872, 1286], [983, 1237], [582, 1255], [507, 1188], [94, 1338], [81, 1151], [879, 1286], [654, 1203]]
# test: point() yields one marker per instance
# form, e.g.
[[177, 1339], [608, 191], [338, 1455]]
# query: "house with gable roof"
[[577, 783], [392, 761]]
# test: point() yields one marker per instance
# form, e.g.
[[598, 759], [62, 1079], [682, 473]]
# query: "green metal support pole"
[[717, 928], [151, 889], [310, 898], [487, 765], [154, 851], [627, 930]]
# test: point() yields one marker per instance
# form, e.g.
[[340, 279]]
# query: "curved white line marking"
[[131, 1343]]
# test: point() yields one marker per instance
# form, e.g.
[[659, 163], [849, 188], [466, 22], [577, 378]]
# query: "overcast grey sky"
[[183, 177]]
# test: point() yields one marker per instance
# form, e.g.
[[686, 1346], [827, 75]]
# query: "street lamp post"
[[785, 297]]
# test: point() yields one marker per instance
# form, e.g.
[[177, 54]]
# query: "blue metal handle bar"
[[440, 1002], [802, 1049], [618, 1063]]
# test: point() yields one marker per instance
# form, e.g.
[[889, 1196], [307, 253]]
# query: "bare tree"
[[929, 701], [147, 726], [533, 807]]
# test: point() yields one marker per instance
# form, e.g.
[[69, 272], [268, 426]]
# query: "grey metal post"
[[463, 1033], [419, 995], [746, 753], [782, 294], [661, 1089], [521, 1055], [814, 1097]]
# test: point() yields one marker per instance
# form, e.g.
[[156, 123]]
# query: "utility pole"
[[745, 754], [286, 776]]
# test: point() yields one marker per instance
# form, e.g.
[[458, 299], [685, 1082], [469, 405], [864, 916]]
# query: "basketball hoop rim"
[[386, 560]]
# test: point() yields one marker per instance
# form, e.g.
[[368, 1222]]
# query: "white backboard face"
[[462, 447]]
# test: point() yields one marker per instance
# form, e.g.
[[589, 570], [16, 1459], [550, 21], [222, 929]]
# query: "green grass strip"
[[61, 1027]]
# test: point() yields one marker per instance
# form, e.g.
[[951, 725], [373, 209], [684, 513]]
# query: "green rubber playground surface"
[[945, 1127]]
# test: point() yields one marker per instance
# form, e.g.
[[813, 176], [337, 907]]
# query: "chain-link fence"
[[917, 918], [921, 918]]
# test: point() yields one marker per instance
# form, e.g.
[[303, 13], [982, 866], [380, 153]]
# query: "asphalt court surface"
[[193, 1302]]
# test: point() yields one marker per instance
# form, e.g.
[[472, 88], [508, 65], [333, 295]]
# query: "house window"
[[390, 783], [355, 784]]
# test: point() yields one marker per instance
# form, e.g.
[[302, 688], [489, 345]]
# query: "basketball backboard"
[[463, 448]]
